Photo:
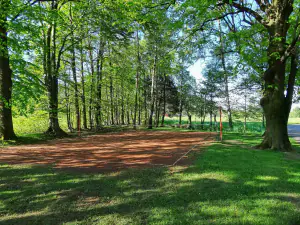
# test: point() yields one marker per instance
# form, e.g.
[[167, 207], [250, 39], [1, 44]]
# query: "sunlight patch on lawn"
[[266, 178], [224, 176]]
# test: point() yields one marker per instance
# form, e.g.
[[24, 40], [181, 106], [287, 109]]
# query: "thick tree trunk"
[[275, 104], [54, 128], [6, 122]]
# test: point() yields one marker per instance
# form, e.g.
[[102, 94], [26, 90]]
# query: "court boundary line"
[[197, 145]]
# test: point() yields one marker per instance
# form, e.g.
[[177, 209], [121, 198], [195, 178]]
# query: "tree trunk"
[[164, 103], [100, 60], [245, 116], [136, 80], [190, 120], [73, 65], [91, 99], [83, 91], [229, 113], [51, 79], [275, 104], [153, 78], [6, 122], [68, 108]]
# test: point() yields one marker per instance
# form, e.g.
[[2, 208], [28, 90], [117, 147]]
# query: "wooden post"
[[79, 123], [221, 125]]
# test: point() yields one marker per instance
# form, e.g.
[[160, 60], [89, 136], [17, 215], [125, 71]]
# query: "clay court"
[[111, 151]]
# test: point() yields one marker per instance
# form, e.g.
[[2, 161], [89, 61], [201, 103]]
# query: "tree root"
[[56, 132]]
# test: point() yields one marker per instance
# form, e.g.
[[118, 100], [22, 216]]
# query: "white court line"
[[189, 151]]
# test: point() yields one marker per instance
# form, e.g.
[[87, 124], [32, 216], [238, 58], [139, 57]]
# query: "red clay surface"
[[109, 152]]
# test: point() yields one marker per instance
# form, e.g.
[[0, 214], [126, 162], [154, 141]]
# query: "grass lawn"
[[227, 184], [294, 121]]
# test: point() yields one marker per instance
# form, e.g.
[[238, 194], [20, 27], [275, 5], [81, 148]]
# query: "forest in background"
[[112, 63]]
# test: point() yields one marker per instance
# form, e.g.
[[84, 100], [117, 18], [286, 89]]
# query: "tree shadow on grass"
[[227, 185]]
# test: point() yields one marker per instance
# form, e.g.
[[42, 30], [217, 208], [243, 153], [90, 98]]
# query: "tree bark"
[[51, 78], [190, 120], [137, 80], [83, 90], [68, 108], [6, 122], [275, 104], [91, 99], [100, 59], [229, 113], [164, 102], [153, 78]]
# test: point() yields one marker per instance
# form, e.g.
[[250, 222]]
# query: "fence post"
[[221, 125]]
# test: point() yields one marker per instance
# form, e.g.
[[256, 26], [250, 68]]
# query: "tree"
[[276, 19], [6, 123]]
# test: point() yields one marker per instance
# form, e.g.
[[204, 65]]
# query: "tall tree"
[[6, 123]]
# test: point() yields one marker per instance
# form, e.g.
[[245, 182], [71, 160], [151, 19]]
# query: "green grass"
[[228, 184], [36, 123], [294, 121], [238, 126]]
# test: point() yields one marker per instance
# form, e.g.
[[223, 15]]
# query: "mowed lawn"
[[227, 184]]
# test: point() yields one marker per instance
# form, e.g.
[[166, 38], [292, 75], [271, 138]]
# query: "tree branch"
[[242, 8], [262, 6], [290, 48], [28, 4]]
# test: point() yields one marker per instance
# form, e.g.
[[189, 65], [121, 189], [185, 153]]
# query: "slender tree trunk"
[[111, 100], [190, 120], [73, 66], [137, 80], [122, 103], [145, 100], [215, 121], [245, 116], [70, 128], [83, 90], [164, 102], [6, 122], [153, 78], [100, 60], [158, 112], [91, 100], [128, 110], [180, 112], [229, 113], [210, 119]]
